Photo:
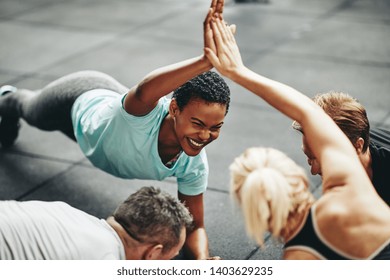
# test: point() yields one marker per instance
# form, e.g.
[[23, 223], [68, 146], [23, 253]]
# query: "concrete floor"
[[312, 45]]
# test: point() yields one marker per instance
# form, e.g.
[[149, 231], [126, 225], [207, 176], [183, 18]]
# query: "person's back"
[[36, 230], [380, 137], [352, 222], [380, 161]]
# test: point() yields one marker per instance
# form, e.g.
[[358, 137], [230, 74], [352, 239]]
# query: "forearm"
[[227, 60], [322, 134], [196, 246], [164, 80], [284, 98], [320, 130]]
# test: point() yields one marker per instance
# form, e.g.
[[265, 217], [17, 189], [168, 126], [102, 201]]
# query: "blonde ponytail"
[[268, 186]]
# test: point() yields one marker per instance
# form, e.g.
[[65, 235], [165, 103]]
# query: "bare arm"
[[196, 245], [143, 97], [329, 144]]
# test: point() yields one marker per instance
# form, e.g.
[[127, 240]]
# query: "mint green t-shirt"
[[126, 146]]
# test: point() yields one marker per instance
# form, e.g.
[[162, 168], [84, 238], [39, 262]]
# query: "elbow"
[[139, 88], [140, 92]]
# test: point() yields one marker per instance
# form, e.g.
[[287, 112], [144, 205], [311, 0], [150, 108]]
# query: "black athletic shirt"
[[380, 153], [308, 240]]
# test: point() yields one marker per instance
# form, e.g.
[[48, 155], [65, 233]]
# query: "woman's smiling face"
[[197, 124]]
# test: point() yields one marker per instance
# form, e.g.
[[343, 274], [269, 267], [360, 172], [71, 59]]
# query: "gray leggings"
[[49, 108]]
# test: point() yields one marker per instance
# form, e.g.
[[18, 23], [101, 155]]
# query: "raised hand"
[[226, 57], [217, 6], [216, 10]]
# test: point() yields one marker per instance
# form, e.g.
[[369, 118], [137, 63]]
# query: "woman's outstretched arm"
[[329, 144]]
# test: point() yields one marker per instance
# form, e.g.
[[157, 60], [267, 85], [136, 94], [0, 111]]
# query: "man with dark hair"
[[372, 146], [149, 225], [135, 133]]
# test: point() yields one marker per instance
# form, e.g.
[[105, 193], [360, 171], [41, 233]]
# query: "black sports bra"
[[308, 240]]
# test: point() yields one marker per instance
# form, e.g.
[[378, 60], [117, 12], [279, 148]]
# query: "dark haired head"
[[152, 216], [208, 86]]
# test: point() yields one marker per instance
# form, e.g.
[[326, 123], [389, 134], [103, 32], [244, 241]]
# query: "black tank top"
[[307, 237]]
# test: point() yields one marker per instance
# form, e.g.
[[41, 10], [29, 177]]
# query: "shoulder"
[[150, 121], [380, 138], [161, 106], [379, 153], [379, 145], [331, 210]]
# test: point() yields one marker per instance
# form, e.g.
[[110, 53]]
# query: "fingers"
[[216, 7], [223, 30], [213, 4], [219, 6], [230, 31], [218, 36], [212, 57], [226, 32], [208, 18], [207, 32], [233, 28]]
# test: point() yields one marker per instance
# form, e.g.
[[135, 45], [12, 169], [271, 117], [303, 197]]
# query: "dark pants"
[[49, 108]]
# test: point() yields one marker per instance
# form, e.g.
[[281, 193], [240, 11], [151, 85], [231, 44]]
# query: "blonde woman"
[[349, 221]]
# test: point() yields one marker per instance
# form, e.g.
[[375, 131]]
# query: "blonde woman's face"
[[315, 167]]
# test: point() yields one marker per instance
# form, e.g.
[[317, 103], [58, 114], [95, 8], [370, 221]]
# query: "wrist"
[[206, 63], [235, 73]]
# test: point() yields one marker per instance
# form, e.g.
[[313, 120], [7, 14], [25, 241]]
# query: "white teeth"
[[195, 143]]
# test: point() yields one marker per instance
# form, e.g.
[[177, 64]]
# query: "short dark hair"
[[208, 86], [346, 111], [154, 216]]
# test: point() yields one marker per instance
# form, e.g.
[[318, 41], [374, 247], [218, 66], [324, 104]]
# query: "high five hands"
[[218, 37], [216, 9], [214, 15]]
